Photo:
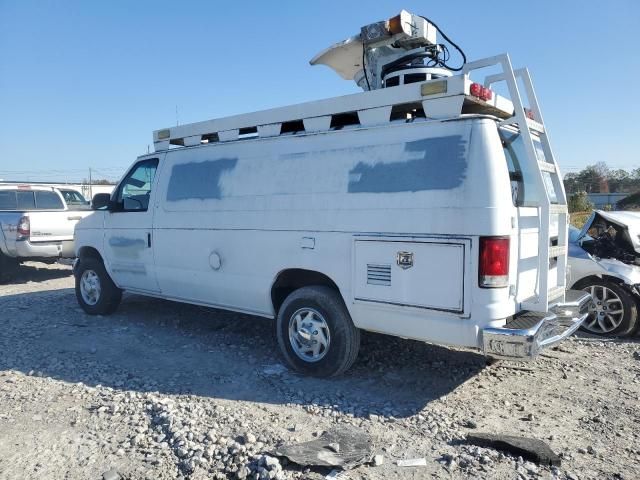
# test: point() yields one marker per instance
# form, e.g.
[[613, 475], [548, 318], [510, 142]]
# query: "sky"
[[83, 84]]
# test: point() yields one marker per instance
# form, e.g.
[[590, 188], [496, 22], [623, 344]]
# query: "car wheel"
[[8, 267], [612, 310], [315, 332], [95, 291]]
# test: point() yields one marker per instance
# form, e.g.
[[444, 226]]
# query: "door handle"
[[149, 240], [74, 218]]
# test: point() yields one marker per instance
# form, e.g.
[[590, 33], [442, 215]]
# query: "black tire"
[[109, 297], [344, 337], [8, 267], [629, 316]]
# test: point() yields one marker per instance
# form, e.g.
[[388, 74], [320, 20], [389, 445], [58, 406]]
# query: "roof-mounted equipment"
[[397, 51]]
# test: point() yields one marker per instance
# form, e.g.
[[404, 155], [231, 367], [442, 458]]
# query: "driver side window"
[[135, 190]]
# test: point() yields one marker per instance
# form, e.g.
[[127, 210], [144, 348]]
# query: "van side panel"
[[371, 180], [231, 216]]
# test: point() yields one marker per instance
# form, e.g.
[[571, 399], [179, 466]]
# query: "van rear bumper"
[[526, 334]]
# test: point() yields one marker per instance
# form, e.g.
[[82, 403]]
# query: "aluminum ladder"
[[546, 296]]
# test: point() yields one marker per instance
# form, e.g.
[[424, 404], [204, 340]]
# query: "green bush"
[[579, 202]]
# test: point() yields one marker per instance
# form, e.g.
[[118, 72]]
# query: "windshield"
[[523, 189], [72, 197]]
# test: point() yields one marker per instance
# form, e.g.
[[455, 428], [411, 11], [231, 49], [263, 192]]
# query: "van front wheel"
[[315, 332], [95, 291]]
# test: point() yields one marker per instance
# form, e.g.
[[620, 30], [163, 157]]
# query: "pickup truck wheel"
[[95, 291], [315, 332], [8, 267], [612, 310]]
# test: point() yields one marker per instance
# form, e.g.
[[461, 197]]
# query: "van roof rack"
[[433, 99]]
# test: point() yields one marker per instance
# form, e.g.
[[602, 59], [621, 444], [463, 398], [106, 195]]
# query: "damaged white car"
[[604, 259]]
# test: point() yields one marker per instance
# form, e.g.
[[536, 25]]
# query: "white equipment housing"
[[363, 57]]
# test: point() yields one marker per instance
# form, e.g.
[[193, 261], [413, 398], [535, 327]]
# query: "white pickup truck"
[[36, 223]]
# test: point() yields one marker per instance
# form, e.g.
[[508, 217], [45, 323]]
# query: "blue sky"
[[83, 84]]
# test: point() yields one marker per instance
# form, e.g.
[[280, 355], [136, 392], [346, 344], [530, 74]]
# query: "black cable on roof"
[[453, 44]]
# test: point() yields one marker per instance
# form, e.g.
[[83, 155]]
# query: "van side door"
[[128, 242]]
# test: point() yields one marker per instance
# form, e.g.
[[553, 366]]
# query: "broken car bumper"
[[525, 335]]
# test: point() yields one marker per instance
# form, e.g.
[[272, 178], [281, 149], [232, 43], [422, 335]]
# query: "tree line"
[[98, 181], [599, 178]]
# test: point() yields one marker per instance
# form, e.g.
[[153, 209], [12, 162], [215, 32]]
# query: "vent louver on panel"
[[378, 274]]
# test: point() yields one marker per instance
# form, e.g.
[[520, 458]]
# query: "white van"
[[420, 210]]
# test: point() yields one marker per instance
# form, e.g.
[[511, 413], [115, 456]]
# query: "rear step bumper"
[[524, 336]]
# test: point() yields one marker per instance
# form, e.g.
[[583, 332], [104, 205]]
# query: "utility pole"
[[90, 185]]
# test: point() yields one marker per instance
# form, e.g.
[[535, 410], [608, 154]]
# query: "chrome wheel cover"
[[606, 310], [309, 335], [90, 287]]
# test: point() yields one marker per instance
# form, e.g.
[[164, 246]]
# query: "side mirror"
[[101, 201]]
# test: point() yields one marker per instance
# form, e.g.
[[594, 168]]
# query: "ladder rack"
[[547, 295]]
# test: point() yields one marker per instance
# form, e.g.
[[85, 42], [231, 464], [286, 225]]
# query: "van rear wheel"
[[315, 332], [95, 291]]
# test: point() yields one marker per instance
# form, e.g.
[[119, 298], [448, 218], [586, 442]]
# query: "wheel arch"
[[579, 284], [89, 252], [291, 279]]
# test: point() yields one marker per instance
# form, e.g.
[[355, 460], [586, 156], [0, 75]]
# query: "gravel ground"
[[162, 390]]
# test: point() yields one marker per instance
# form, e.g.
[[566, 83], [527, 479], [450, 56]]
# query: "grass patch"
[[578, 219]]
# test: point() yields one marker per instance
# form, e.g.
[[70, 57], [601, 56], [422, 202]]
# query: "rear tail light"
[[493, 271], [24, 227], [483, 93]]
